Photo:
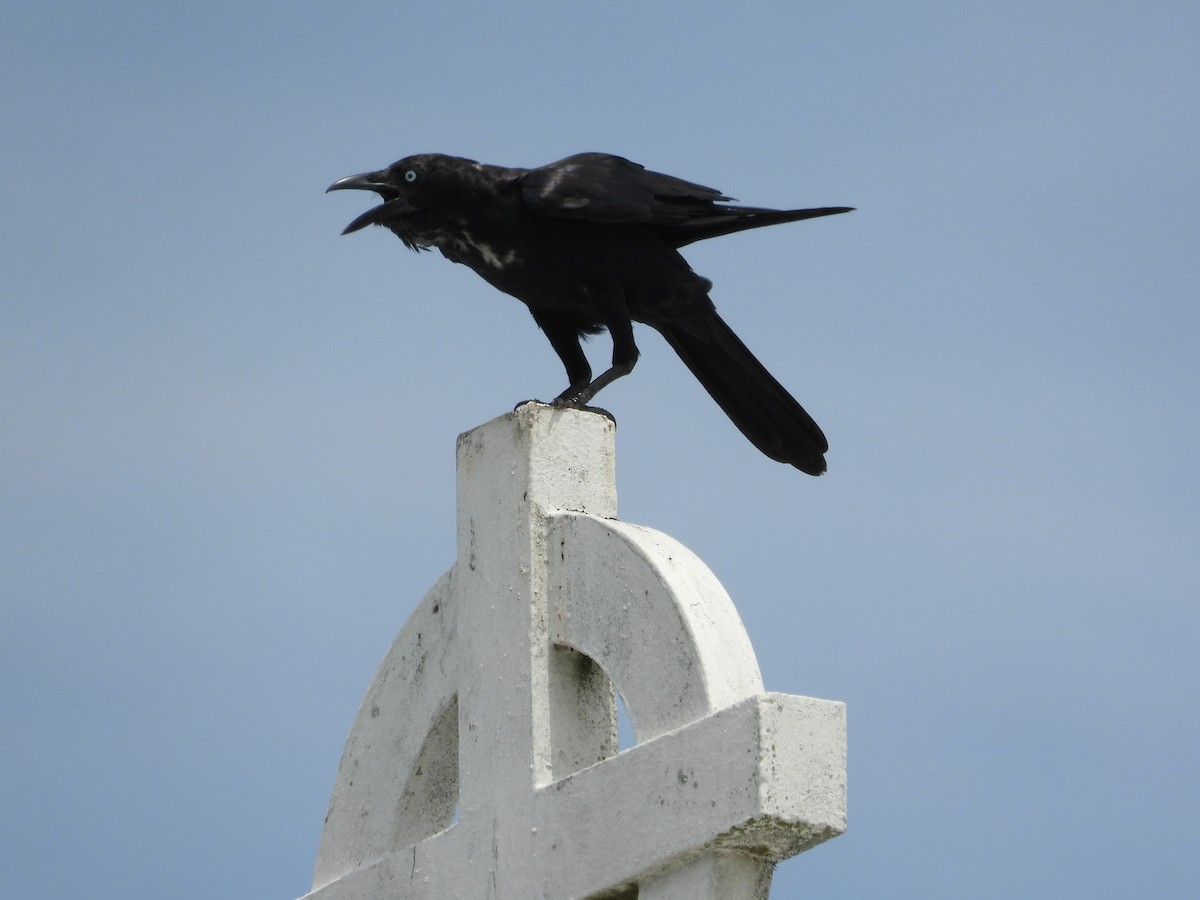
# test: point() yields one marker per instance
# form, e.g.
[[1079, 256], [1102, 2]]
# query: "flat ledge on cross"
[[483, 761]]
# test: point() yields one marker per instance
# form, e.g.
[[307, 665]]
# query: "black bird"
[[592, 242]]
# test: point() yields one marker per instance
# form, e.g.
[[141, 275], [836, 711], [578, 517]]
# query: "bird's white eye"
[[410, 176]]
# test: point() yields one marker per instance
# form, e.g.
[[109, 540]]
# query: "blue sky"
[[226, 466]]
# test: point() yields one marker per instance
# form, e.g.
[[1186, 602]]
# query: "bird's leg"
[[564, 338], [624, 358]]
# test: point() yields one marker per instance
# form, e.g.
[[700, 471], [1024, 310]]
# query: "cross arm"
[[765, 776]]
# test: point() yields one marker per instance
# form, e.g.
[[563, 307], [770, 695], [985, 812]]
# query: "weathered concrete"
[[483, 761]]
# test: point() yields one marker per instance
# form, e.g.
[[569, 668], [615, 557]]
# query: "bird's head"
[[418, 193]]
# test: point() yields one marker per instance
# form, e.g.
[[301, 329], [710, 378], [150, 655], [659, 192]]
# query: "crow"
[[591, 242]]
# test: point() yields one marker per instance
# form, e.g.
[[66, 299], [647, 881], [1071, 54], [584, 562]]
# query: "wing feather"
[[599, 187]]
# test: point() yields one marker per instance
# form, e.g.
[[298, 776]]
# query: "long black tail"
[[758, 405]]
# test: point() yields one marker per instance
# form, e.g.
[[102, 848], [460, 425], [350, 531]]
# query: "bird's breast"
[[480, 255]]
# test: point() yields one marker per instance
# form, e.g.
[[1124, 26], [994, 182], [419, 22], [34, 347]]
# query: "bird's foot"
[[566, 403]]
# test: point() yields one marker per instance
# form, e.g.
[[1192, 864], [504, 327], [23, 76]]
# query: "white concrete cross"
[[483, 762]]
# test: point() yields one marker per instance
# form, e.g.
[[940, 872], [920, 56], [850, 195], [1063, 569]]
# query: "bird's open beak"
[[367, 182], [371, 181]]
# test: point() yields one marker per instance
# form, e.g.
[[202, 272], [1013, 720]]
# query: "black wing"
[[599, 187]]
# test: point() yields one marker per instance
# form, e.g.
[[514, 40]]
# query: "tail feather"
[[755, 402]]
